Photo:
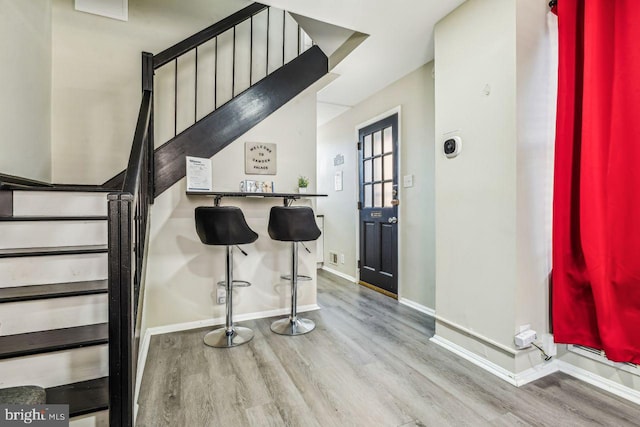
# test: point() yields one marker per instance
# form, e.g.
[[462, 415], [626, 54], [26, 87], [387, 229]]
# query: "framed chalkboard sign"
[[260, 158]]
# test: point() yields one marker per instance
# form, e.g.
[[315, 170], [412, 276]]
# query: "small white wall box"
[[525, 339], [452, 146]]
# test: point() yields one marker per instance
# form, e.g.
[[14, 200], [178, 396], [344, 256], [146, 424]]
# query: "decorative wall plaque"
[[260, 158]]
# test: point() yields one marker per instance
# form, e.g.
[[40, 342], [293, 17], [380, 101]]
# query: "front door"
[[378, 206]]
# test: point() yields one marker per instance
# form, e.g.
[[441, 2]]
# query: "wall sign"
[[259, 158], [198, 174]]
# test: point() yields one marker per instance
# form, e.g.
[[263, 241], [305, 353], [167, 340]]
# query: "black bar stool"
[[293, 224], [225, 226]]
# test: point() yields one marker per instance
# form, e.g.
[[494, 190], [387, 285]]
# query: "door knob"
[[393, 220]]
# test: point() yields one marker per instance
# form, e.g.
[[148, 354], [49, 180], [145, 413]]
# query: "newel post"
[[147, 85]]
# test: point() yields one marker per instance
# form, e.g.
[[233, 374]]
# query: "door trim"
[[395, 110]]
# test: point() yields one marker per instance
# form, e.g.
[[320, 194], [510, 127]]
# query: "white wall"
[[493, 202], [475, 193], [96, 78], [414, 94], [25, 85], [182, 271]]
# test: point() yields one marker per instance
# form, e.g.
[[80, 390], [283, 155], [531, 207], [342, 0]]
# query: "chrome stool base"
[[219, 338], [295, 327]]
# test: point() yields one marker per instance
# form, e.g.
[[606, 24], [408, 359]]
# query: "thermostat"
[[452, 146]]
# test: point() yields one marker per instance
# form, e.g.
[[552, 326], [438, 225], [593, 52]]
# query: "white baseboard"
[[340, 274], [543, 370], [512, 378], [220, 320], [599, 381], [537, 372], [421, 308]]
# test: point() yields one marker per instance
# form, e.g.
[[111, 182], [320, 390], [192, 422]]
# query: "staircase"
[[53, 297], [71, 259]]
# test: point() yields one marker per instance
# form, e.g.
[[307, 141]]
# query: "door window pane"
[[388, 194], [368, 202], [367, 146], [388, 140], [377, 143], [388, 166], [367, 171], [377, 195], [377, 169]]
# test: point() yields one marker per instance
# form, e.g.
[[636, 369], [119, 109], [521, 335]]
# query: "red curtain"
[[596, 208]]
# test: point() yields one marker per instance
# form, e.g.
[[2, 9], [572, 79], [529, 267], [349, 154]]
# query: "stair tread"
[[54, 290], [53, 218], [82, 397], [56, 250], [53, 340]]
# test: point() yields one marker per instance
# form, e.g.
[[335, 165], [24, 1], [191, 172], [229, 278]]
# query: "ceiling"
[[400, 40]]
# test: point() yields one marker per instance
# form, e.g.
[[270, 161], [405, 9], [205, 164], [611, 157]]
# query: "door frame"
[[395, 110]]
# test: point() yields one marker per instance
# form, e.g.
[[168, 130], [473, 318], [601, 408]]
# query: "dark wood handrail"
[[135, 164], [20, 181], [205, 35], [128, 213]]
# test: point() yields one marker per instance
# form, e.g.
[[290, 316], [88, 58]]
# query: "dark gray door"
[[378, 206]]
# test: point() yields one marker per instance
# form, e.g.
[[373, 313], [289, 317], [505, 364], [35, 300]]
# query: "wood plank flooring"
[[368, 363]]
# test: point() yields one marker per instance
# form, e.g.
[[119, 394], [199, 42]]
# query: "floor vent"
[[600, 356]]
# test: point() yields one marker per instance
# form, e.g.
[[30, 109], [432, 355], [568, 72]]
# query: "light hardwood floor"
[[368, 363]]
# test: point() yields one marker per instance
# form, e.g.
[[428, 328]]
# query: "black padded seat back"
[[293, 224], [223, 225]]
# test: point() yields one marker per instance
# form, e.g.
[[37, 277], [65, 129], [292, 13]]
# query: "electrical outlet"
[[333, 258], [341, 258], [221, 295]]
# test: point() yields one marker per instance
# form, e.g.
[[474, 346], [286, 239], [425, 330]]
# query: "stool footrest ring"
[[301, 277], [236, 283]]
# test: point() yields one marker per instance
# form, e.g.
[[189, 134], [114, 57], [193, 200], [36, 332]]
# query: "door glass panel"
[[388, 140], [377, 143], [377, 195], [368, 203], [367, 171], [388, 194], [388, 166], [367, 146], [377, 169]]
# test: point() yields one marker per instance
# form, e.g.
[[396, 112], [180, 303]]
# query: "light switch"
[[407, 181]]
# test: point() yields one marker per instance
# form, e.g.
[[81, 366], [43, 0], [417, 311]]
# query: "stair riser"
[[95, 419], [57, 368], [36, 234], [52, 269], [52, 314], [58, 203]]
